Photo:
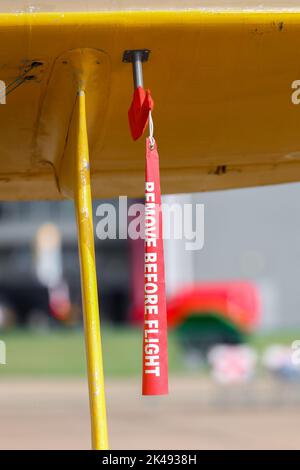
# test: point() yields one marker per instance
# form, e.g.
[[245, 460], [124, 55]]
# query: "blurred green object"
[[201, 331]]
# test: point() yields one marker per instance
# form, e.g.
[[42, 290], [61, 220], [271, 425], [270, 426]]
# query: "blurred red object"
[[59, 302], [236, 301]]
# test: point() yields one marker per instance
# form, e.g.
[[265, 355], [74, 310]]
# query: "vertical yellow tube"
[[83, 202]]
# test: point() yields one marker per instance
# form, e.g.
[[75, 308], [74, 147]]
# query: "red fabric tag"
[[155, 349], [138, 113]]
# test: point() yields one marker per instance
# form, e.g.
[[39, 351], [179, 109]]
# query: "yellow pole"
[[83, 203]]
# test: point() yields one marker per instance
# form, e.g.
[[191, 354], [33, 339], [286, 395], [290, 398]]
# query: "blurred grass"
[[61, 352], [261, 340]]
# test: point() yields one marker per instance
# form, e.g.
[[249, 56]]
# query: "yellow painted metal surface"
[[83, 202], [221, 81]]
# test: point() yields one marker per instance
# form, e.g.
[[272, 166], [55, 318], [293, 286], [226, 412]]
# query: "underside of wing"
[[222, 81]]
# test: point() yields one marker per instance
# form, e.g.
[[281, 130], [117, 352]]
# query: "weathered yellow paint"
[[83, 202], [221, 81], [82, 72], [88, 69]]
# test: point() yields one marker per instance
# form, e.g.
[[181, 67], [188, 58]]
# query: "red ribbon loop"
[[138, 112]]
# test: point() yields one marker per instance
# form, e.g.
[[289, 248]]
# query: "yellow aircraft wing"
[[221, 76]]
